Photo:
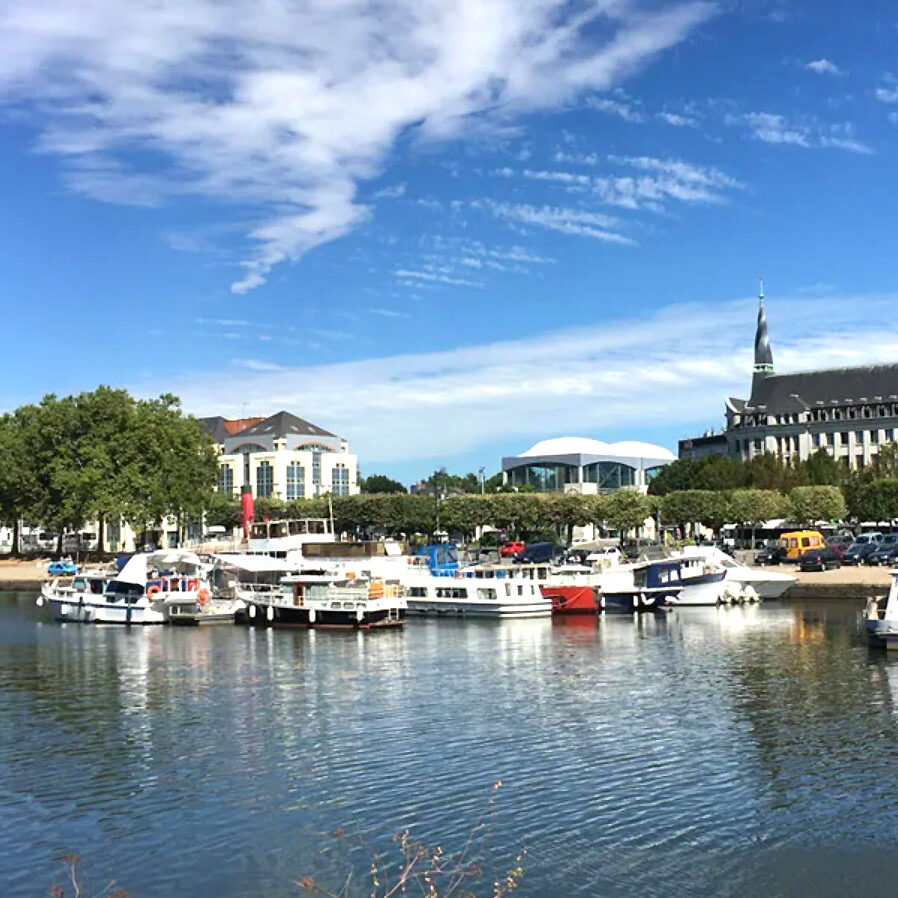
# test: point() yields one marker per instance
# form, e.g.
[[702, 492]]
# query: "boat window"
[[508, 589], [520, 590], [417, 592], [79, 583], [277, 529], [297, 528], [317, 527], [452, 555], [96, 587], [487, 594], [260, 530]]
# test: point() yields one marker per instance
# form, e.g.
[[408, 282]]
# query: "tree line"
[[103, 456]]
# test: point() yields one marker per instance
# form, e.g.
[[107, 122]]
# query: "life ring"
[[202, 598], [192, 585], [153, 590]]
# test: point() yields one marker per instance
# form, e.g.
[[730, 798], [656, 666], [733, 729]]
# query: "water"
[[732, 752]]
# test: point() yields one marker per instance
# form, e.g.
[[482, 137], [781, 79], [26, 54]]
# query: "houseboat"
[[327, 600]]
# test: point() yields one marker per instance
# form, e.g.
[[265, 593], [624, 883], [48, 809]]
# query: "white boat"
[[756, 584], [338, 600], [881, 617], [704, 582], [123, 599], [184, 589]]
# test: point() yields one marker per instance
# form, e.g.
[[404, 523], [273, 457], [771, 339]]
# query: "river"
[[742, 751]]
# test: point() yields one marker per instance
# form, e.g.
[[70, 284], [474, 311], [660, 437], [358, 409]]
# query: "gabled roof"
[[870, 383], [222, 428], [216, 428], [284, 424]]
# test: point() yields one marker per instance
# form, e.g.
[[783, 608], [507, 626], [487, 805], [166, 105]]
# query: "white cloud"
[[256, 365], [625, 110], [440, 277], [631, 373], [389, 193], [824, 67], [285, 107], [567, 221], [887, 92], [808, 133], [677, 120], [388, 313], [667, 180]]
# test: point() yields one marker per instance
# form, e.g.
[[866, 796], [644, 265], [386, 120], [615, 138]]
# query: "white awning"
[[256, 564], [134, 571]]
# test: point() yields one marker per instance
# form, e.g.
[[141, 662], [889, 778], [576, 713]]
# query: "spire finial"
[[763, 355], [761, 289]]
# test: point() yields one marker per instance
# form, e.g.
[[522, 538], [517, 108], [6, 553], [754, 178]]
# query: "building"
[[282, 457], [711, 442], [848, 412], [582, 465]]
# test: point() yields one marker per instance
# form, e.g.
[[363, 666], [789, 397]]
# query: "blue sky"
[[444, 230]]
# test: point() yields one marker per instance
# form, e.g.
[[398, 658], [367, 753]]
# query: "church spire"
[[763, 354]]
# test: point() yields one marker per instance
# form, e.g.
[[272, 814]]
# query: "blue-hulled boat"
[[647, 586]]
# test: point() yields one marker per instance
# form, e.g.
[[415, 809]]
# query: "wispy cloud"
[[586, 380], [678, 120], [657, 183], [286, 108], [433, 276], [388, 313], [824, 67], [808, 133], [389, 193], [565, 220], [257, 365], [887, 92], [626, 110]]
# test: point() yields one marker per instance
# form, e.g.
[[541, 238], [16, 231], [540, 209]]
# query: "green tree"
[[809, 504], [16, 473], [822, 469], [885, 462], [752, 508], [874, 500], [681, 474], [626, 510], [380, 483]]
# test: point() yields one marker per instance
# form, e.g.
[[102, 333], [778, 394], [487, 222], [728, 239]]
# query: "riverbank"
[[20, 573]]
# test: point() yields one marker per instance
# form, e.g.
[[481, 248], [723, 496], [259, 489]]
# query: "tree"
[[627, 509], [223, 511], [16, 474], [885, 462], [809, 504], [876, 500], [681, 474], [822, 469], [751, 508], [380, 483]]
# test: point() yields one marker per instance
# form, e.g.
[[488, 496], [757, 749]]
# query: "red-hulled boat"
[[572, 599]]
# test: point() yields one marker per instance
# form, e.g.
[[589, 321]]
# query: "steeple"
[[763, 355]]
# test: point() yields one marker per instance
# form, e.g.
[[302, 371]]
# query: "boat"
[[755, 584], [644, 586], [327, 600], [704, 582], [881, 617], [121, 599]]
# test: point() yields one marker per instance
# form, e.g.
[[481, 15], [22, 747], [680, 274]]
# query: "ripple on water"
[[709, 751]]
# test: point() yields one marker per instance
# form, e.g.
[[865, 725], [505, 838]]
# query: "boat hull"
[[704, 590], [572, 599], [883, 634], [261, 615], [82, 612], [640, 600], [485, 609]]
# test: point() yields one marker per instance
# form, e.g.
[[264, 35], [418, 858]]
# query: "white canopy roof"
[[134, 571], [257, 564], [586, 446]]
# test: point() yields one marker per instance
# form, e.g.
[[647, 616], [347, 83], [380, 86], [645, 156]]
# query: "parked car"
[[858, 553], [840, 542], [536, 553], [772, 553], [886, 552], [62, 569], [820, 559], [874, 536], [509, 550]]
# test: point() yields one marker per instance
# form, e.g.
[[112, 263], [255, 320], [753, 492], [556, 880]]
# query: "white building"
[[582, 465], [282, 457]]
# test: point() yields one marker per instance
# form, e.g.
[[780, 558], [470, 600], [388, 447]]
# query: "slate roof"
[[832, 386], [284, 424], [216, 427]]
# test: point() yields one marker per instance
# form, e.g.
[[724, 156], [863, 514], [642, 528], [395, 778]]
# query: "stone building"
[[848, 412]]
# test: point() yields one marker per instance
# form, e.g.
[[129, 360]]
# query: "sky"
[[445, 229]]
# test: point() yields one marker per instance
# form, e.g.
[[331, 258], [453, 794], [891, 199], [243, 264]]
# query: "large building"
[[282, 457], [848, 412], [581, 465]]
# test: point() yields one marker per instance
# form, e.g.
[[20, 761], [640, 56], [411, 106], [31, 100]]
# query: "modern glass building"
[[582, 465]]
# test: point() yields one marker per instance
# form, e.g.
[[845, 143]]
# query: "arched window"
[[226, 480], [264, 480], [296, 481]]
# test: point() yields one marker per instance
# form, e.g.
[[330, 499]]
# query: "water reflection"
[[703, 751]]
